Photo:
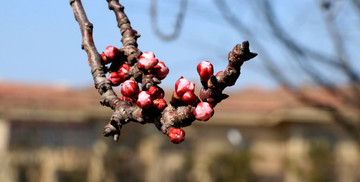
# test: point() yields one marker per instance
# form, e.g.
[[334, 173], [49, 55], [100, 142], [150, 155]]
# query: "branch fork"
[[183, 109]]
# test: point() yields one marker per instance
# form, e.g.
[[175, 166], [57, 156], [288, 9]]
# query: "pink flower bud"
[[115, 78], [147, 60], [144, 100], [124, 69], [176, 135], [218, 73], [159, 104], [110, 54], [205, 70], [126, 99], [183, 85], [147, 55], [203, 111], [156, 92], [161, 70], [189, 97], [130, 89]]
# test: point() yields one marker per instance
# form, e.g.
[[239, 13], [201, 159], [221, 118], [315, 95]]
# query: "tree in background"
[[325, 62]]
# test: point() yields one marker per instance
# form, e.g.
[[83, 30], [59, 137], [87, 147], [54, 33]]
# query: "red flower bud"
[[176, 135], [115, 78], [144, 100], [110, 54], [156, 92], [124, 69], [147, 60], [126, 99], [130, 89], [203, 111], [218, 73], [104, 59], [161, 70], [159, 104], [189, 97], [183, 85], [205, 70]]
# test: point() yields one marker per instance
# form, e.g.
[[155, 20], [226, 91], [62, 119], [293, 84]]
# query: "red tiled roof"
[[29, 101], [19, 95]]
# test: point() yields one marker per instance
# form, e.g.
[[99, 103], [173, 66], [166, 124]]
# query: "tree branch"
[[102, 84], [174, 115], [178, 25]]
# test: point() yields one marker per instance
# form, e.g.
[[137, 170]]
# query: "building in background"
[[55, 135]]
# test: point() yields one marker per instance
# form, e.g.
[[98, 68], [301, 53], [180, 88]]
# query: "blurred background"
[[293, 115]]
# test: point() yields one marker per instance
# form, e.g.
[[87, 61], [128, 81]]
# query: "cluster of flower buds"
[[148, 62], [184, 91], [119, 69], [153, 97]]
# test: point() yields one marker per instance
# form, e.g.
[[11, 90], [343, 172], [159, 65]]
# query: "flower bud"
[[130, 89], [205, 70], [183, 85], [218, 73], [159, 104], [126, 99], [176, 135], [110, 54], [203, 111], [156, 92], [115, 78], [124, 68], [189, 97], [147, 60], [144, 100], [161, 71], [104, 59]]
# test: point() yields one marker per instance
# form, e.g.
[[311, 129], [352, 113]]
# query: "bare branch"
[[178, 25], [126, 110], [102, 84]]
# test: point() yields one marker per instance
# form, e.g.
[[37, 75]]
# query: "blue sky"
[[40, 40]]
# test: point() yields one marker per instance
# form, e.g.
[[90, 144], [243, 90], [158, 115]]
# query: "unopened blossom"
[[159, 104], [110, 54], [147, 60], [183, 85], [130, 89], [144, 100], [127, 99], [176, 135], [115, 78], [156, 92], [205, 70], [203, 111], [161, 70], [189, 97], [218, 73]]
